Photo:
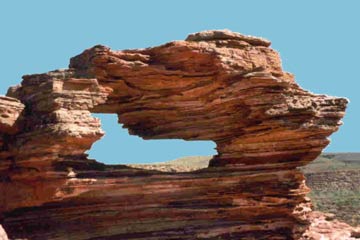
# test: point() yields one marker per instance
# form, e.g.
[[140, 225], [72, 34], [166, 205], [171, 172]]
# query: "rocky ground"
[[333, 177], [335, 183]]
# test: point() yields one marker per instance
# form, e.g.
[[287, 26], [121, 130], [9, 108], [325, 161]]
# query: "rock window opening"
[[117, 146]]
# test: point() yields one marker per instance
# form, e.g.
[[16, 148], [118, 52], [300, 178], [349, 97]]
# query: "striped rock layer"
[[215, 85]]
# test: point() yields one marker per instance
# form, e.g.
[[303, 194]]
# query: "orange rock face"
[[215, 85]]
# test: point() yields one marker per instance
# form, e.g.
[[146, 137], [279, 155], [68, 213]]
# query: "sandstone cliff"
[[215, 85]]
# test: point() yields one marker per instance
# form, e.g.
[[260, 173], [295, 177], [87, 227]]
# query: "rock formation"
[[215, 85]]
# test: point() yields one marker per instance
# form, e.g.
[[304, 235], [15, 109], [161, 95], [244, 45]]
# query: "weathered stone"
[[10, 110], [227, 35], [324, 228], [216, 85]]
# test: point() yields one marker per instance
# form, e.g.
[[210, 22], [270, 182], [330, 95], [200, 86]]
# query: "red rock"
[[216, 85], [10, 110]]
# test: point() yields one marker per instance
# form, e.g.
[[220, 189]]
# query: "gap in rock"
[[117, 146]]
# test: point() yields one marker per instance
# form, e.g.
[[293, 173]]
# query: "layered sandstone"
[[215, 85]]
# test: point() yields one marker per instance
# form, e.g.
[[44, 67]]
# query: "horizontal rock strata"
[[215, 85]]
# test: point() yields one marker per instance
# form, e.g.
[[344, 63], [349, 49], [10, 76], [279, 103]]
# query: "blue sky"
[[319, 41]]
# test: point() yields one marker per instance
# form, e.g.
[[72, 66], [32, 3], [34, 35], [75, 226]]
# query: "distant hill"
[[334, 179], [344, 157], [325, 161], [184, 164], [328, 162]]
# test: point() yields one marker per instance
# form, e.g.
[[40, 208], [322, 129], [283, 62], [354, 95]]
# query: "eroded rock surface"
[[324, 226], [10, 110], [215, 85]]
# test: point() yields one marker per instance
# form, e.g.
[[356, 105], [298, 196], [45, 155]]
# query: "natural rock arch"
[[117, 146], [215, 85]]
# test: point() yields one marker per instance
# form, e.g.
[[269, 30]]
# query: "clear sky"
[[319, 41]]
